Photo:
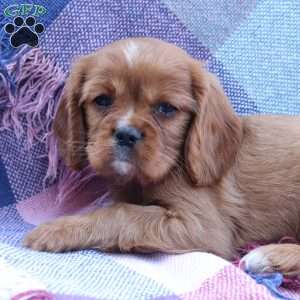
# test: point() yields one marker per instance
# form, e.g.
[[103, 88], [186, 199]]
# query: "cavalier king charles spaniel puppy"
[[186, 173]]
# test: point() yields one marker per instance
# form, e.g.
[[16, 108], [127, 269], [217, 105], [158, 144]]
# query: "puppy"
[[186, 172]]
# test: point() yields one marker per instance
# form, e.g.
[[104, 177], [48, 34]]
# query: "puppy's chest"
[[131, 193], [156, 194]]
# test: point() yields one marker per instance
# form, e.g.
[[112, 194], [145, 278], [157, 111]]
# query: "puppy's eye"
[[103, 100], [165, 109]]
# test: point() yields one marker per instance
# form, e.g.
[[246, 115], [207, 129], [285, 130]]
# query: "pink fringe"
[[71, 183], [34, 294], [29, 107]]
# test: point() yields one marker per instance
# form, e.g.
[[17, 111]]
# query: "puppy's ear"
[[215, 133], [69, 126]]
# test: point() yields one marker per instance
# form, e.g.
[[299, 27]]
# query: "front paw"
[[56, 236]]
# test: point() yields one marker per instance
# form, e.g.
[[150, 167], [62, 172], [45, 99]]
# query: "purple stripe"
[[6, 195], [73, 297], [171, 297]]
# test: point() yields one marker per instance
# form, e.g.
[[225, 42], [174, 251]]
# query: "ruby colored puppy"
[[188, 174]]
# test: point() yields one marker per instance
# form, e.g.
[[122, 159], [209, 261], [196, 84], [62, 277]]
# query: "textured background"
[[252, 46]]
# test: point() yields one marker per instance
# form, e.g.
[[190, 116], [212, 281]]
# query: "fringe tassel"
[[30, 88], [71, 183]]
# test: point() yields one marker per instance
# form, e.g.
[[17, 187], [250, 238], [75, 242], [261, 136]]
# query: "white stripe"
[[180, 273], [131, 50], [125, 120]]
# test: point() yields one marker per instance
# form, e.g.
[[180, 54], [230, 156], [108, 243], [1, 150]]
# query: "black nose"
[[127, 136]]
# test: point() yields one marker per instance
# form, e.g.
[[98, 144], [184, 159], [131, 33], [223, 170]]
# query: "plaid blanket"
[[254, 48]]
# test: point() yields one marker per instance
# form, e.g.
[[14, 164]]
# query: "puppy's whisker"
[[97, 152], [92, 146], [148, 122]]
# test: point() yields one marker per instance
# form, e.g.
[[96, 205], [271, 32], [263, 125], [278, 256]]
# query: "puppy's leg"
[[284, 258], [124, 227]]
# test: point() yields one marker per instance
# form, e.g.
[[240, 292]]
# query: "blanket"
[[253, 46]]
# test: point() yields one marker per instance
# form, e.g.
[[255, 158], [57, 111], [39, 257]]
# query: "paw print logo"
[[24, 32]]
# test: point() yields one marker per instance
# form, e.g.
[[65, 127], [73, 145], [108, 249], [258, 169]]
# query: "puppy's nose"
[[127, 136]]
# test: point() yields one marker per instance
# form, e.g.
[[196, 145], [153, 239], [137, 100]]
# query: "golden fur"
[[203, 179]]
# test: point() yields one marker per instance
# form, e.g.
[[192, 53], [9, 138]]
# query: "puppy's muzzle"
[[128, 136]]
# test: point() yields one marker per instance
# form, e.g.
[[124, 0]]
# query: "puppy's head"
[[138, 108]]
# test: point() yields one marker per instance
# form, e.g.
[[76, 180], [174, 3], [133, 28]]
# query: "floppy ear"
[[215, 133], [69, 126]]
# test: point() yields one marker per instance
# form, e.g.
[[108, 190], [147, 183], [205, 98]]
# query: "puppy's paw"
[[52, 237], [257, 261], [282, 258]]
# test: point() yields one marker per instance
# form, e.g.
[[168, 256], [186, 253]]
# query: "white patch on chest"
[[131, 51], [122, 167]]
